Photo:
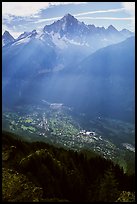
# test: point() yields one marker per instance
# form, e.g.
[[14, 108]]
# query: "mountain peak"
[[126, 32], [67, 24], [111, 27], [7, 34], [69, 17], [7, 38]]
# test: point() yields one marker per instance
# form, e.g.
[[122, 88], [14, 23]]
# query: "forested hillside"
[[41, 172]]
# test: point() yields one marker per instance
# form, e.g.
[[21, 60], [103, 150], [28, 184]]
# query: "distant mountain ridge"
[[70, 27], [69, 31], [26, 34], [68, 39]]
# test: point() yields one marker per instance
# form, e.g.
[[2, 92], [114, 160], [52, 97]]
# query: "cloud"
[[29, 8], [100, 11], [83, 13], [13, 12], [48, 19], [105, 18], [130, 9], [85, 18], [91, 18]]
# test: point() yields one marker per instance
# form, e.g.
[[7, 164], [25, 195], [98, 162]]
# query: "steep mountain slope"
[[111, 60], [21, 62], [106, 79], [26, 57]]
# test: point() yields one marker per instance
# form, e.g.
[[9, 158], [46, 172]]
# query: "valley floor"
[[58, 125]]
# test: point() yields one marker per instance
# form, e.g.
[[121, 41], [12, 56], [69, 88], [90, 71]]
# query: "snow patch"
[[22, 41], [59, 42], [64, 24], [75, 42]]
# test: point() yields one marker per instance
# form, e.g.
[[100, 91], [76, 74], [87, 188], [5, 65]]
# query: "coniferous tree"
[[108, 187]]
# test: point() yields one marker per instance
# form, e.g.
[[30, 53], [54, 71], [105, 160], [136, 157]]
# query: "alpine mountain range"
[[83, 66]]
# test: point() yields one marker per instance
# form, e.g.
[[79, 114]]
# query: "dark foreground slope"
[[40, 172]]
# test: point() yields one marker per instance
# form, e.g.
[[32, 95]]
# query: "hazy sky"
[[18, 17]]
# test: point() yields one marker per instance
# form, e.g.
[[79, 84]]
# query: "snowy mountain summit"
[[68, 32], [65, 25], [70, 29]]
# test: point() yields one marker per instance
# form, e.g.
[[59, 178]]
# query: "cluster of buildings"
[[87, 133]]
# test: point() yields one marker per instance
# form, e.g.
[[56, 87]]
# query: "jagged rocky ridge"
[[68, 30]]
